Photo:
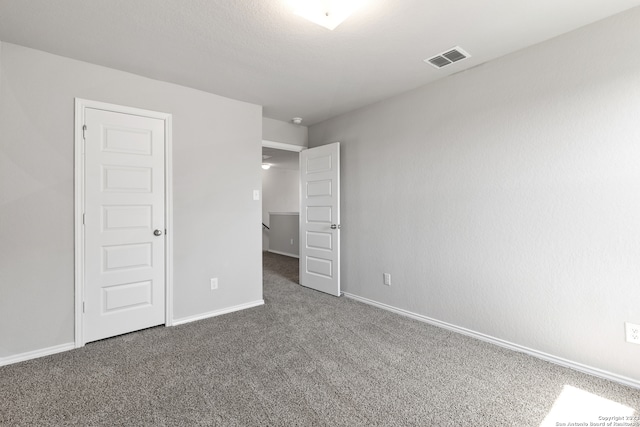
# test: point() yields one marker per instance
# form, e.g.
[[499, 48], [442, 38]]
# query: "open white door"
[[320, 218]]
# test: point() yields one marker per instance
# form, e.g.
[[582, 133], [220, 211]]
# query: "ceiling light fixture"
[[266, 166], [297, 120], [326, 13]]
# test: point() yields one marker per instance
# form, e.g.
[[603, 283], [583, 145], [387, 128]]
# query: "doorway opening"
[[310, 233], [280, 198]]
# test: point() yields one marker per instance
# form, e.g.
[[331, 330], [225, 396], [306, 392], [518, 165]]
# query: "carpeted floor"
[[305, 359]]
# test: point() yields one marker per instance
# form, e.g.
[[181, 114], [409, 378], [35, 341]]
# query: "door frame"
[[79, 202], [284, 146], [297, 148]]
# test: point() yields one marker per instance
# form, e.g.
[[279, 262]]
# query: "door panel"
[[320, 218], [124, 203], [126, 256], [121, 179], [317, 240], [320, 214], [127, 295], [127, 217]]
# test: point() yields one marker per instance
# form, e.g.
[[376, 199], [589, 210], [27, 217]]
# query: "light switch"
[[256, 194]]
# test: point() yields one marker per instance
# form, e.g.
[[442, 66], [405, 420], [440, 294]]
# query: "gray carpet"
[[304, 359]]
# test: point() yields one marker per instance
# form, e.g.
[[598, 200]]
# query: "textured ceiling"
[[259, 51]]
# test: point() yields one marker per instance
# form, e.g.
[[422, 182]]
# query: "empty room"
[[320, 212]]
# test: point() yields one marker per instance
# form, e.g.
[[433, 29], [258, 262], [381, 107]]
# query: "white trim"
[[630, 382], [79, 201], [78, 228], [283, 253], [36, 353], [168, 209], [215, 313], [282, 146]]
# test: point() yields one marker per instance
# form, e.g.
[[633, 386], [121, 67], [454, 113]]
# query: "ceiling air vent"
[[448, 57]]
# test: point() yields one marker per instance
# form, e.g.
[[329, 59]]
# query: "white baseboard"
[[36, 353], [630, 382], [70, 346], [283, 253], [215, 313]]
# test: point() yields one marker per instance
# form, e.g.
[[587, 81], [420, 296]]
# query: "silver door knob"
[[334, 226], [157, 233]]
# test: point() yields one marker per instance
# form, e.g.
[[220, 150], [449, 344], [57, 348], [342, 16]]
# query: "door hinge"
[[83, 217], [84, 130], [83, 306]]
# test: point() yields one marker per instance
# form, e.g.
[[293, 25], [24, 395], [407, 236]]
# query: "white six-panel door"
[[124, 223], [320, 218]]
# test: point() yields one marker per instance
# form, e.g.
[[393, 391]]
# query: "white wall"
[[284, 233], [216, 158], [506, 199], [280, 193], [284, 132]]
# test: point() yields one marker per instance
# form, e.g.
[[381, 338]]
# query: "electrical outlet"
[[292, 241], [387, 278], [214, 283], [633, 333]]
